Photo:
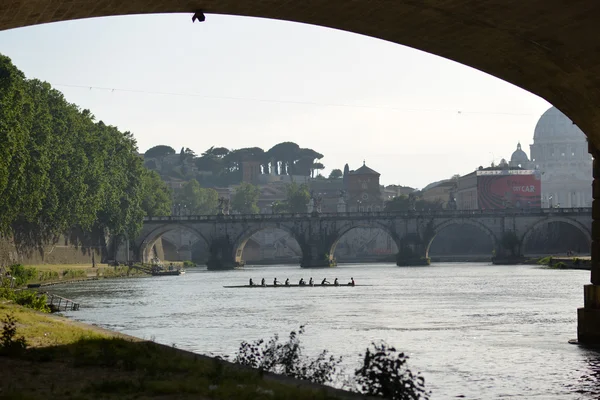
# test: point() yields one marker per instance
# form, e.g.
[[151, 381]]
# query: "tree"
[[159, 151], [297, 197], [397, 204], [245, 198], [335, 174], [156, 196], [197, 200], [60, 170], [317, 167]]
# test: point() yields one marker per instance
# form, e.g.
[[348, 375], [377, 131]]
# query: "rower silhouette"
[[251, 282], [335, 282], [263, 283], [311, 282], [301, 283], [351, 283], [275, 282], [324, 282], [287, 282]]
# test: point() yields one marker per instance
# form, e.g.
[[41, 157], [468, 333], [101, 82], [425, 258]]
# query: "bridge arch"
[[242, 239], [148, 241], [443, 225], [551, 53], [344, 229], [581, 227]]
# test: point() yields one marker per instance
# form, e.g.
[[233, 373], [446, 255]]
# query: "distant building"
[[560, 152], [500, 187], [441, 192], [391, 191], [363, 192], [251, 172]]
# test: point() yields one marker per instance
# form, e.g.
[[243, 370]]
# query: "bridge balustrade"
[[374, 214]]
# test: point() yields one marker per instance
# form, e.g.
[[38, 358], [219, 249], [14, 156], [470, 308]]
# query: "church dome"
[[553, 125], [519, 156]]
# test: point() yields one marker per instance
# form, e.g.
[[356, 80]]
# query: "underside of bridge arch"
[[466, 238], [544, 47], [178, 248], [268, 244], [461, 242], [365, 244], [556, 236]]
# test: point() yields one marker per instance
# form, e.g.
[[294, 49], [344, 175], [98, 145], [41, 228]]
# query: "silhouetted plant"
[[286, 358], [384, 373], [10, 344]]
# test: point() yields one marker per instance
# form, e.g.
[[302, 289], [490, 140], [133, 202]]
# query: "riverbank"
[[563, 262], [66, 359], [54, 274]]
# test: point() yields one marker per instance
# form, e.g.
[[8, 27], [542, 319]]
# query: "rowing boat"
[[288, 286]]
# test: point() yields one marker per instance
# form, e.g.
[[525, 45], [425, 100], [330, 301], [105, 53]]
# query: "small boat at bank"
[[290, 286], [168, 273]]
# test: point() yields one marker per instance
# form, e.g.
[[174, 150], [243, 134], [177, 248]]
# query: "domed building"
[[519, 159], [560, 152]]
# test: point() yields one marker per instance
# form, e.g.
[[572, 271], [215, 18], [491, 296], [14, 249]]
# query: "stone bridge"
[[318, 234]]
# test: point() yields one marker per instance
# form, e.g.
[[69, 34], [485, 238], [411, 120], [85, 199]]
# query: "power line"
[[307, 103]]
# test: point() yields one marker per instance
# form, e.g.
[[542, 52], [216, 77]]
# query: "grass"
[[68, 360]]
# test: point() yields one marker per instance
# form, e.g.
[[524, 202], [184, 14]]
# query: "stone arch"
[[548, 54], [241, 240], [151, 238], [581, 227], [440, 227], [362, 224]]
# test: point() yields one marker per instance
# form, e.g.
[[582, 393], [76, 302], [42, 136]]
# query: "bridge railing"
[[378, 215]]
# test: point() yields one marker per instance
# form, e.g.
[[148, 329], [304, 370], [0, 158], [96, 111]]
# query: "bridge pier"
[[316, 255], [221, 255], [588, 317], [412, 256]]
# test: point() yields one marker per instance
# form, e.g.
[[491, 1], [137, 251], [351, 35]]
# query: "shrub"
[[32, 300], [10, 344], [385, 374], [21, 274], [73, 273], [286, 358], [188, 264]]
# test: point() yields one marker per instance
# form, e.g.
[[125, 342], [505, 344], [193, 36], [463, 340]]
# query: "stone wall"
[[61, 252]]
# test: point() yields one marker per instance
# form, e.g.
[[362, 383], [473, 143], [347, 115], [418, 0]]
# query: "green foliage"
[[21, 274], [196, 200], [286, 358], [73, 273], [384, 373], [245, 198], [159, 151], [188, 264], [297, 197], [397, 204], [59, 169], [10, 344], [336, 174], [156, 196], [31, 300], [545, 261]]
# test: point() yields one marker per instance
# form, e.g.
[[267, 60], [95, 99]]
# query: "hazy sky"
[[241, 82]]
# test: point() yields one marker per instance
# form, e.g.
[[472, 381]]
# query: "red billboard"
[[509, 189]]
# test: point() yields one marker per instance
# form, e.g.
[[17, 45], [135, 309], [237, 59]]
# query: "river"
[[474, 330]]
